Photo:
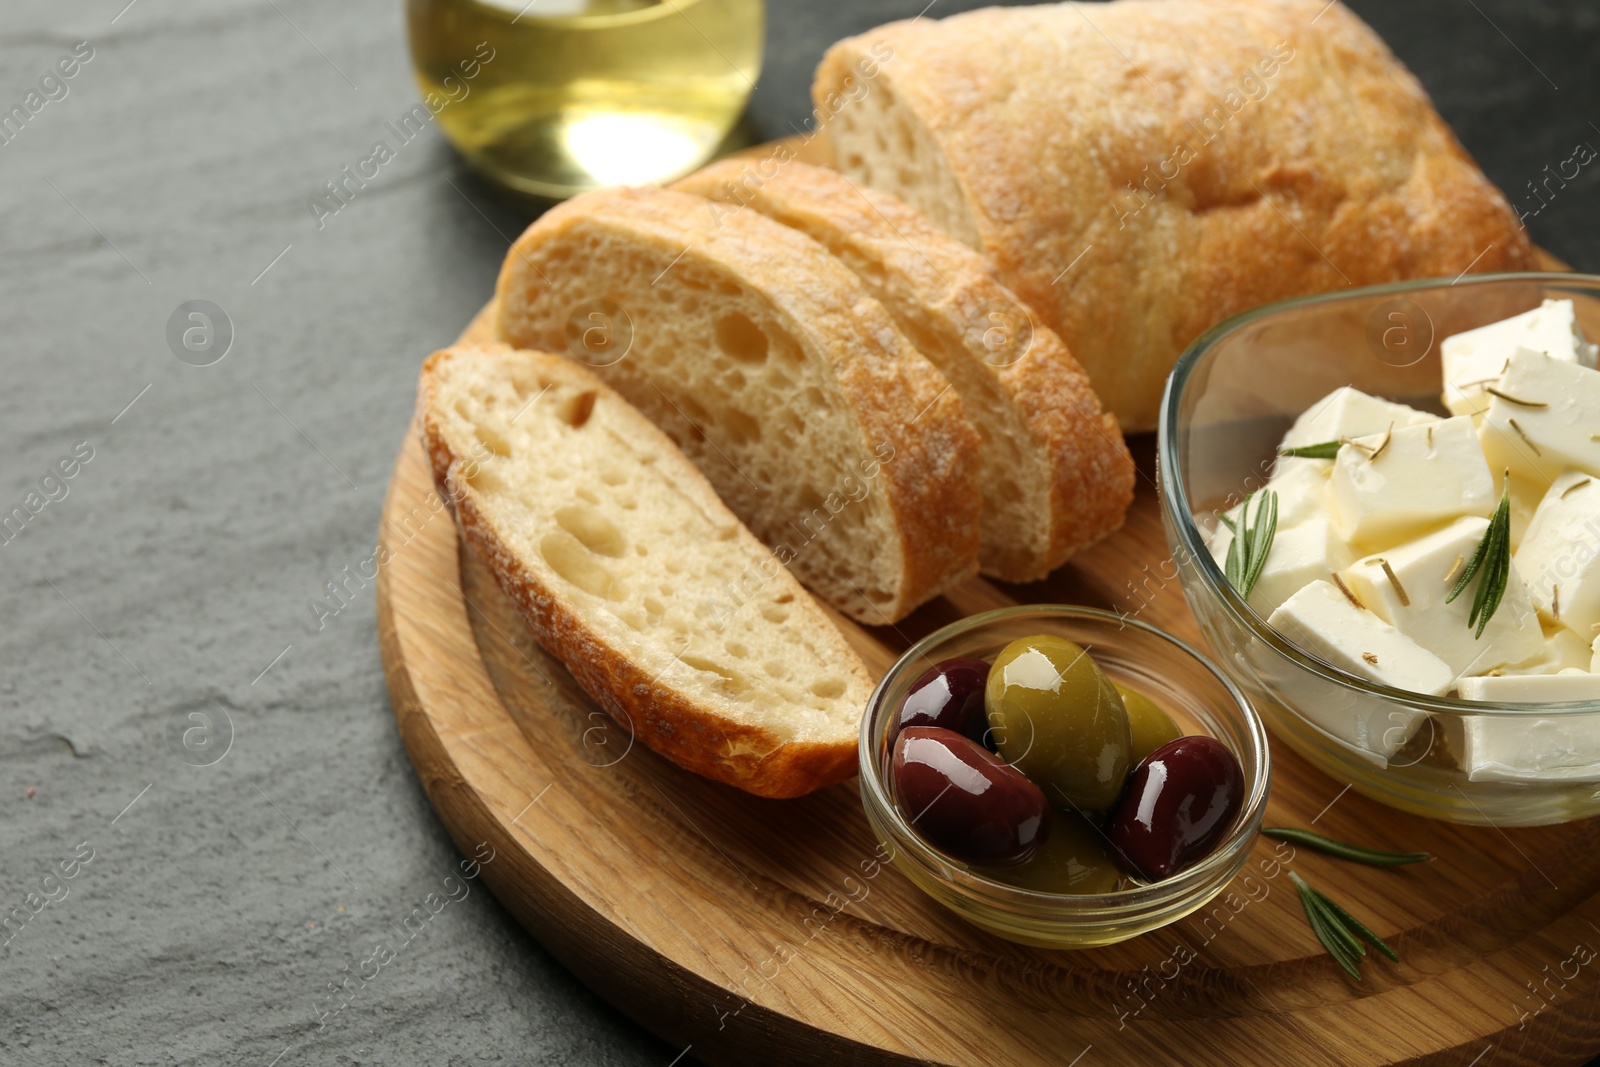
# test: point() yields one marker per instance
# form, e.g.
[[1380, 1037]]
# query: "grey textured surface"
[[221, 902]]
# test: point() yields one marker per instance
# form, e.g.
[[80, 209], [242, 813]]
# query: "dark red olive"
[[1178, 803], [963, 800], [950, 695]]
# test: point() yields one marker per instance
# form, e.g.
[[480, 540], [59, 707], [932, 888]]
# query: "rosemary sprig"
[[1321, 450], [1252, 541], [1371, 856], [1358, 928], [1340, 932], [1493, 558]]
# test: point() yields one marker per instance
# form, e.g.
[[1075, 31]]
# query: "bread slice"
[[1141, 171], [767, 362], [629, 570], [1055, 472]]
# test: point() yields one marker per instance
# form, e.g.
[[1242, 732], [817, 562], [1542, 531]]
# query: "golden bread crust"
[[484, 329], [1281, 147]]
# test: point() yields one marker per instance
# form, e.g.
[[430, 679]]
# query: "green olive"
[[1151, 726], [1073, 859], [1056, 717]]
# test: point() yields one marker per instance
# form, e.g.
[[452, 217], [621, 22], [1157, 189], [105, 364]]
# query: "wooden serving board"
[[759, 931]]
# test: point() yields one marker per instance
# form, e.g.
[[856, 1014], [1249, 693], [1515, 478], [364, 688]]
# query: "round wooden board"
[[760, 931]]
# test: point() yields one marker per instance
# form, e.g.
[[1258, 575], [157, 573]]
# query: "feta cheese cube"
[[1552, 423], [1302, 488], [1325, 624], [1566, 686], [1594, 658], [1425, 570], [1320, 619], [1525, 497], [1560, 554], [1562, 747], [1563, 650], [1474, 359], [1299, 555], [1424, 477], [1348, 412]]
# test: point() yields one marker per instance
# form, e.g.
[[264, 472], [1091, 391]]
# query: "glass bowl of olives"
[[1063, 776]]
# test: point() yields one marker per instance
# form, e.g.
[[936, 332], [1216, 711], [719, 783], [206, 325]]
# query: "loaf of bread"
[[763, 357], [1055, 473], [1142, 169], [627, 568]]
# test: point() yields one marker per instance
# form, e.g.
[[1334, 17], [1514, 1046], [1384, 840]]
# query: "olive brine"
[[1039, 771]]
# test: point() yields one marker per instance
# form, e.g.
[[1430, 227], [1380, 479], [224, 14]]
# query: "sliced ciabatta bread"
[[773, 369], [1056, 474], [628, 568]]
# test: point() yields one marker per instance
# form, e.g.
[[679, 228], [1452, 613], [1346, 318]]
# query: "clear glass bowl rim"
[[1088, 906], [1174, 497]]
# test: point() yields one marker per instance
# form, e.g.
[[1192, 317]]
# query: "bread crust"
[[660, 716], [894, 395], [484, 329], [1088, 471], [1331, 171]]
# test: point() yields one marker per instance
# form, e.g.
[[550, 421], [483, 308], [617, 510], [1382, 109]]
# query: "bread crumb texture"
[[631, 571]]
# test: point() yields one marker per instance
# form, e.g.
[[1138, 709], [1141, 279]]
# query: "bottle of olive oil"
[[579, 94]]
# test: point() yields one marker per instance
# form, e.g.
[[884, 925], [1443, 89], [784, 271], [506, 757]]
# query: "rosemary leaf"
[[1472, 569], [1347, 937], [1496, 547], [1261, 536], [1371, 856], [1508, 398], [1234, 566], [1319, 926], [1252, 542], [1382, 445], [1493, 559], [1354, 926], [1229, 523], [1341, 933], [1394, 580], [1321, 450]]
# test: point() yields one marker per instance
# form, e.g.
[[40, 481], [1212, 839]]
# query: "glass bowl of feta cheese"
[[1384, 509]]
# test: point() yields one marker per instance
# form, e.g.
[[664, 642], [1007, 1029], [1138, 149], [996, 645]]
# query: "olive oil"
[[569, 95]]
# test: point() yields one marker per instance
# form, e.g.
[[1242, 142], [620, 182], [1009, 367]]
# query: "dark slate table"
[[213, 908]]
